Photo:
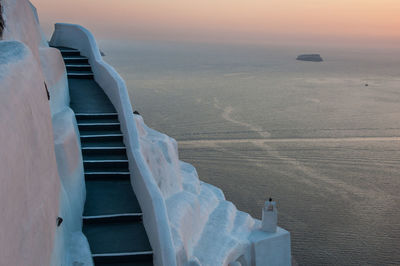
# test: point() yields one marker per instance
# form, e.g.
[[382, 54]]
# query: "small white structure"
[[269, 217], [270, 249]]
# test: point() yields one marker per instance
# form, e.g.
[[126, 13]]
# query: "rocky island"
[[310, 57]]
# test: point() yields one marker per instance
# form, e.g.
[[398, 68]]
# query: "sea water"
[[322, 139]]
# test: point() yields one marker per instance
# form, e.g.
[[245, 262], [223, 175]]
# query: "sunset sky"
[[376, 21]]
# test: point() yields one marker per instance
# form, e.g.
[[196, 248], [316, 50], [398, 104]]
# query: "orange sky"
[[230, 20]]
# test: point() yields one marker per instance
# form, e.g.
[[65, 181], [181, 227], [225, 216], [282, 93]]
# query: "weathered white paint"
[[206, 229], [71, 245], [29, 183], [55, 77], [21, 23], [271, 249], [188, 222], [68, 244], [269, 220]]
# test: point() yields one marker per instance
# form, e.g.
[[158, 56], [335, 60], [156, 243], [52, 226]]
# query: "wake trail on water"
[[227, 115], [311, 176]]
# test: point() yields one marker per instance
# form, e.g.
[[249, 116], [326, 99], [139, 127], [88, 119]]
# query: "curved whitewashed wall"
[[206, 229], [69, 244], [188, 221], [29, 183]]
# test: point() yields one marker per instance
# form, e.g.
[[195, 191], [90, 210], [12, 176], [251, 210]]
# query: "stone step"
[[99, 132], [94, 124], [78, 67], [116, 237], [95, 153], [80, 74], [69, 52], [144, 258], [64, 48], [87, 128], [106, 140], [75, 60], [113, 218], [106, 165], [98, 175], [96, 117]]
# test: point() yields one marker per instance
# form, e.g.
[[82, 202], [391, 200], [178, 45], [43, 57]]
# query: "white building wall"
[[29, 183], [69, 244]]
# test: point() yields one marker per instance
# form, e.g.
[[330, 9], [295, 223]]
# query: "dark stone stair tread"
[[78, 65], [79, 72], [115, 143], [75, 61], [100, 126], [107, 176], [106, 137], [97, 153], [96, 124], [78, 68], [88, 97], [116, 237], [110, 197], [99, 119], [106, 167], [138, 263], [84, 132], [70, 57], [109, 156], [69, 53], [64, 48], [94, 169], [80, 76], [99, 115]]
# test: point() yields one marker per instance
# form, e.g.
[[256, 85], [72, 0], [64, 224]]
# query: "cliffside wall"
[[29, 183], [41, 170]]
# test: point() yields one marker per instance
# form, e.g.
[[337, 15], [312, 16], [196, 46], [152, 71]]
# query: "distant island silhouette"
[[310, 57]]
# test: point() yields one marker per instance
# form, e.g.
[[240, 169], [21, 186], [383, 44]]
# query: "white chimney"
[[269, 217]]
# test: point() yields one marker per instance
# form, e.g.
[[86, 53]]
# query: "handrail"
[[150, 198]]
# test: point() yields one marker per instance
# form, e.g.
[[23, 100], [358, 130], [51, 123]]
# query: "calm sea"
[[323, 139]]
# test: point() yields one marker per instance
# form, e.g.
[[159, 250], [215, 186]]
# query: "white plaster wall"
[[71, 246], [29, 184], [22, 24], [56, 80], [160, 153], [206, 229]]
